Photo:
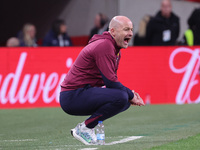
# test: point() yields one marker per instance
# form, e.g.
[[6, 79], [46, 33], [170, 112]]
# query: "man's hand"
[[137, 100]]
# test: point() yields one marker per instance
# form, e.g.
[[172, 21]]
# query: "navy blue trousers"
[[100, 103]]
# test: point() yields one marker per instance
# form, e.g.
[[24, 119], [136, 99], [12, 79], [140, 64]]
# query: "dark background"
[[15, 13]]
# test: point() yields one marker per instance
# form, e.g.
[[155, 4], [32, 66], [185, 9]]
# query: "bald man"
[[96, 66], [13, 42], [164, 28]]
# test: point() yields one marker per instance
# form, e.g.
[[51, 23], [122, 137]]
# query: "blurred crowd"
[[57, 36], [159, 30], [163, 28]]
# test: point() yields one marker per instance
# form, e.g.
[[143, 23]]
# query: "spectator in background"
[[140, 37], [12, 42], [164, 28], [192, 35], [28, 35], [57, 36], [101, 22]]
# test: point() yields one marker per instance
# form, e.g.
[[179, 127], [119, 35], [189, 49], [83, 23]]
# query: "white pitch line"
[[23, 140], [131, 138]]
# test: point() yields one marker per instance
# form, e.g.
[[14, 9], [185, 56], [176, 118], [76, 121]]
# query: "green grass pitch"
[[173, 127]]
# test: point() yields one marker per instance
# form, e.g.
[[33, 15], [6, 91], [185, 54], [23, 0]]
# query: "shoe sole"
[[73, 133]]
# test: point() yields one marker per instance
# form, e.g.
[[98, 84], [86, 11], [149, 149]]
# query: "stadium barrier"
[[31, 77]]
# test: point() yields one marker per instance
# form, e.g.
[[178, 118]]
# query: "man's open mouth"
[[126, 40]]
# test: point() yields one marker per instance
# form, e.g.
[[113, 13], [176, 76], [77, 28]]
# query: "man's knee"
[[121, 98]]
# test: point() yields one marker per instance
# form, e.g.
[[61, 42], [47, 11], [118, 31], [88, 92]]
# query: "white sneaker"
[[85, 135]]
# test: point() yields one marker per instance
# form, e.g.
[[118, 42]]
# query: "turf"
[[183, 144], [162, 127]]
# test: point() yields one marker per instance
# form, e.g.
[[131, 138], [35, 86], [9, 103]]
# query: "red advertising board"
[[31, 77]]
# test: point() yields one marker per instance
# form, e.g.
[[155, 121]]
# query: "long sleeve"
[[117, 85]]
